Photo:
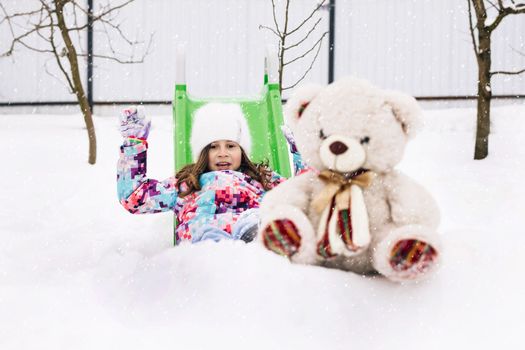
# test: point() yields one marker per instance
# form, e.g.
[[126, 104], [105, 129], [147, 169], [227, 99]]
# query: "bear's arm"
[[295, 191], [410, 203]]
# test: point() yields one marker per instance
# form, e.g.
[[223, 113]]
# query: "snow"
[[78, 271]]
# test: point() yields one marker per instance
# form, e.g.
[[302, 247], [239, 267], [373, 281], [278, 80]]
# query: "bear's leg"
[[407, 253], [287, 231]]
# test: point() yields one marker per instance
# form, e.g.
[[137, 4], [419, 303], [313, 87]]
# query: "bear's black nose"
[[338, 148]]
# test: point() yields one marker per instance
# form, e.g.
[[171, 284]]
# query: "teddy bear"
[[351, 209]]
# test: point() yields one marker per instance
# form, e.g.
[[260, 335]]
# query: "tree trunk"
[[484, 95], [77, 82]]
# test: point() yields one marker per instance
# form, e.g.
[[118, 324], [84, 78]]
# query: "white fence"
[[419, 46]]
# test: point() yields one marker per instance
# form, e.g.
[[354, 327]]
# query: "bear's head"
[[351, 125]]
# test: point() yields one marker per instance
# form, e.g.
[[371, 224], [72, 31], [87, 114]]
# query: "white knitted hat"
[[219, 121]]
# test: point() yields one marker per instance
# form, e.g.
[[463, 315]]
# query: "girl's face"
[[224, 155]]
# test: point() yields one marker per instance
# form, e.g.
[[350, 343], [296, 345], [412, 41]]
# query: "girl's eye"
[[212, 146], [322, 136], [365, 140], [231, 145]]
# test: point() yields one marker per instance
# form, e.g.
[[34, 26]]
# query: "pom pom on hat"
[[219, 121]]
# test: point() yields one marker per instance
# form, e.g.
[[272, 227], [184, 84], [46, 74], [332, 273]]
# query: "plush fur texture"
[[219, 121], [374, 126]]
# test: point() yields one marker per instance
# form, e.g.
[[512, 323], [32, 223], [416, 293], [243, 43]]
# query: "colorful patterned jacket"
[[224, 195]]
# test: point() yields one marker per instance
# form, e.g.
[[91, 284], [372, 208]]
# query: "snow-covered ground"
[[79, 272]]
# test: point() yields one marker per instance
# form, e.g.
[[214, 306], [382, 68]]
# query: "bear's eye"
[[322, 136], [365, 140]]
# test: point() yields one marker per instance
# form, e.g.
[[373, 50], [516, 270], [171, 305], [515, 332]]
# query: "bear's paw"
[[282, 237], [410, 258]]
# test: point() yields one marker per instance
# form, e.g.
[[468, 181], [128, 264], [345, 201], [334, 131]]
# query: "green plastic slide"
[[264, 118]]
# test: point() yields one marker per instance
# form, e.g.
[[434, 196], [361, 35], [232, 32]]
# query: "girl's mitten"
[[289, 138], [134, 124]]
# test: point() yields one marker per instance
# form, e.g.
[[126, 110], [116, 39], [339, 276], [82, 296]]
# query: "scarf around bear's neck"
[[343, 227]]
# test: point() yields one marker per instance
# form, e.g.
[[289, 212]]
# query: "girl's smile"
[[223, 165]]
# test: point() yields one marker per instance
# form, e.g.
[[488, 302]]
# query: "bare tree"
[[283, 33], [54, 27], [482, 48]]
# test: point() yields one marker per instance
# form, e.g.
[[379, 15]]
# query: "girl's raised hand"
[[289, 138], [133, 123]]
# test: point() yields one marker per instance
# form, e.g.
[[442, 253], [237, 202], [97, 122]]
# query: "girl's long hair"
[[189, 175]]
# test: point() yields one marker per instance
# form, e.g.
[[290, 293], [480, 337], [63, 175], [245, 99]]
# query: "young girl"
[[214, 198]]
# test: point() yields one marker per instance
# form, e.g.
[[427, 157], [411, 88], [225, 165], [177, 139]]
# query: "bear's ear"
[[299, 101], [406, 110]]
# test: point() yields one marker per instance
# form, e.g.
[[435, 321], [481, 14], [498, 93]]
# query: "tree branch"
[[307, 18], [318, 42], [16, 39], [270, 29], [493, 5], [471, 28], [286, 17], [131, 60], [505, 11], [521, 53], [306, 37], [57, 55], [517, 6], [36, 28], [14, 15], [307, 71], [130, 43], [501, 14], [45, 21], [61, 81], [275, 19], [283, 43], [19, 40], [507, 72], [116, 59], [100, 16], [76, 22]]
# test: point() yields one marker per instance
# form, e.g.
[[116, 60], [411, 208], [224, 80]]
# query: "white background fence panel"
[[419, 46], [423, 47]]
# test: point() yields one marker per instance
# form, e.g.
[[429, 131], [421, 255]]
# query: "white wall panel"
[[422, 46], [419, 46], [509, 54]]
